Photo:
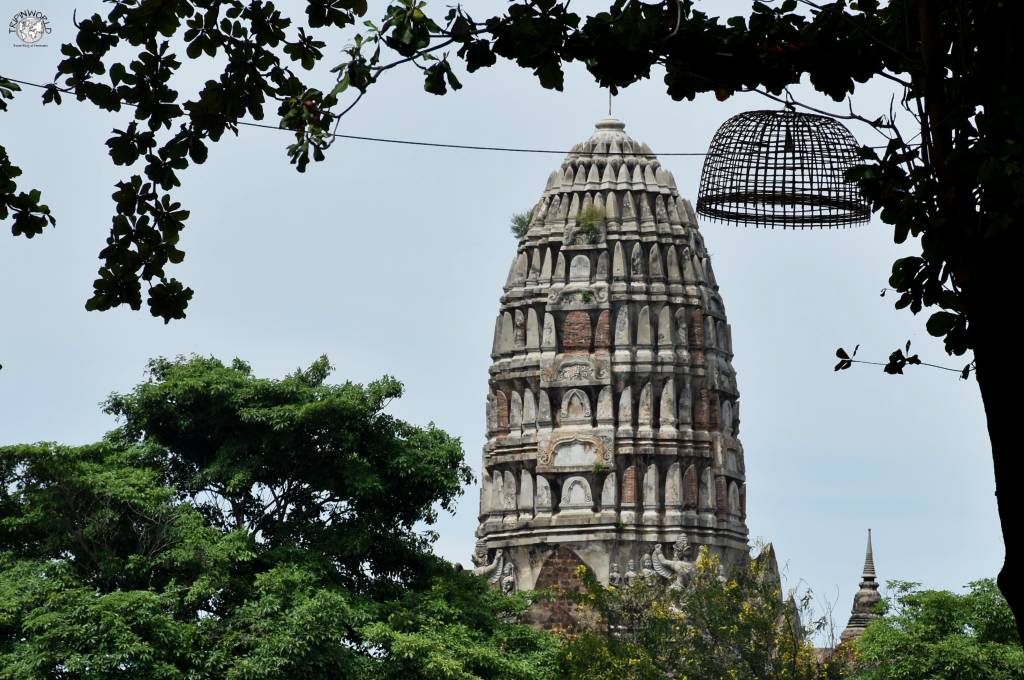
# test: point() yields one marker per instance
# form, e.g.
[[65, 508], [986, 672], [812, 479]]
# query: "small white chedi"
[[612, 414]]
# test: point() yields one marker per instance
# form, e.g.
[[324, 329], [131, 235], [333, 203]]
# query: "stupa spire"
[[866, 599]]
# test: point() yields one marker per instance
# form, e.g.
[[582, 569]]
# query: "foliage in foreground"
[[718, 626], [240, 528], [939, 635]]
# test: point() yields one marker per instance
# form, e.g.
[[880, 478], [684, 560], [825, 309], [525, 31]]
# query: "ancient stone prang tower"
[[612, 415]]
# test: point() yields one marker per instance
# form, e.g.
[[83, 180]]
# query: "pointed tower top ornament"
[[781, 168], [869, 561]]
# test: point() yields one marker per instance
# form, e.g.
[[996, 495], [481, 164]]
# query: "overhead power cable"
[[407, 142]]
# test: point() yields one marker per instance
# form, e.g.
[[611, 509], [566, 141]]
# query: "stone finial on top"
[[610, 123], [866, 599]]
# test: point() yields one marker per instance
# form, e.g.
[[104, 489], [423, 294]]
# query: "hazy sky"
[[390, 259]]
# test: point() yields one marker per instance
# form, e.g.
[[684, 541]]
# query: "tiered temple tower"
[[866, 599], [612, 415]]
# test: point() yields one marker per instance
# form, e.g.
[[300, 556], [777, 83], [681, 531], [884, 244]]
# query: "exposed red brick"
[[696, 328], [721, 498], [690, 487], [629, 486], [558, 614], [701, 410], [502, 410], [576, 331]]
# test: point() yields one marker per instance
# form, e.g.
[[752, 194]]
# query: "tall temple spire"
[[612, 408], [865, 601]]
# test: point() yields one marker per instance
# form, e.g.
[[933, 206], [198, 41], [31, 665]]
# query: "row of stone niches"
[[667, 404], [623, 211], [631, 261], [637, 492], [662, 327]]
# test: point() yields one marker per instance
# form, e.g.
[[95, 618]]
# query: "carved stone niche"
[[576, 495], [574, 369], [578, 295], [574, 451]]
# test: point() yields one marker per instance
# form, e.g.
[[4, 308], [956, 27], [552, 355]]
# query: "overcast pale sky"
[[390, 259]]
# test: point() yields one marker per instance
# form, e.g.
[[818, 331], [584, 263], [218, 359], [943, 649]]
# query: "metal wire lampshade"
[[781, 168]]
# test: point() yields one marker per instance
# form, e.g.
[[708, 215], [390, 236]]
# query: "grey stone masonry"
[[612, 415]]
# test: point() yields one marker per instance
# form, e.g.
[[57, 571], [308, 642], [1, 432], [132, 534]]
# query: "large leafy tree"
[[956, 184], [939, 635], [238, 527]]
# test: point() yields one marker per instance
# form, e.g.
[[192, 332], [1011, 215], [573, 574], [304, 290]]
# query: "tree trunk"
[[1000, 380]]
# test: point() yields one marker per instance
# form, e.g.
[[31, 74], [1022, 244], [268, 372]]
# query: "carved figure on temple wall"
[[508, 579], [681, 568]]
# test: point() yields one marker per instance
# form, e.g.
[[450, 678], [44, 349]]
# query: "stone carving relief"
[[519, 329], [549, 340], [575, 450], [492, 414], [608, 492], [602, 331], [667, 408], [673, 486], [576, 494], [509, 490], [602, 267], [680, 568], [622, 335], [575, 408], [651, 487], [532, 330], [543, 495], [545, 268], [673, 265], [526, 492], [579, 269], [605, 416], [734, 499], [626, 409], [543, 409], [665, 328], [636, 264], [507, 339], [654, 266], [643, 327], [706, 497], [645, 411], [515, 418], [618, 262], [529, 410], [559, 276], [681, 337]]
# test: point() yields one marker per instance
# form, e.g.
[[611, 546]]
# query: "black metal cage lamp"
[[781, 168]]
